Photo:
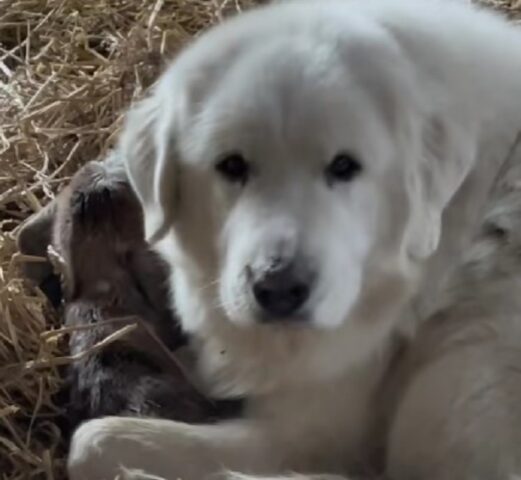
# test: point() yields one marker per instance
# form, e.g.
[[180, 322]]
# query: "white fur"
[[427, 94]]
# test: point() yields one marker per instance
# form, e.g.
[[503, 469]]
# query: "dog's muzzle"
[[281, 291]]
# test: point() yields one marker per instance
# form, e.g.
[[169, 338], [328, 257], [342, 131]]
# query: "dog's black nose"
[[280, 292]]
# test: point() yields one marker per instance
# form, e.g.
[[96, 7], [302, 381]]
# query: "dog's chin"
[[328, 323], [297, 320], [256, 318]]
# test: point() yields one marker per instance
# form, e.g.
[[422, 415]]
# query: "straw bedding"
[[68, 69]]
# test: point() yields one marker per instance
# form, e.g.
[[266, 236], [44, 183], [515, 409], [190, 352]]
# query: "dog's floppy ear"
[[147, 147], [448, 155]]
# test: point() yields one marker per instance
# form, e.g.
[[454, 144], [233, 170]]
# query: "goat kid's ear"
[[33, 238]]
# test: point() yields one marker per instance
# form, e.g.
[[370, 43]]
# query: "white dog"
[[311, 170]]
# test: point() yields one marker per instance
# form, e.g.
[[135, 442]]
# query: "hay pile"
[[68, 69]]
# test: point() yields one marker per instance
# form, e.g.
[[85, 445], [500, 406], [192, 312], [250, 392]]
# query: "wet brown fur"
[[110, 278]]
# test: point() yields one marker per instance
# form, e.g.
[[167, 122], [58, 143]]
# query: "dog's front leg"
[[101, 449]]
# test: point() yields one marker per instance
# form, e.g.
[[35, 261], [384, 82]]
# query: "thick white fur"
[[428, 95], [459, 385]]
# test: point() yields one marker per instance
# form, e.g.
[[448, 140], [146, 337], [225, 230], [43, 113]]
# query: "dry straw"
[[68, 69]]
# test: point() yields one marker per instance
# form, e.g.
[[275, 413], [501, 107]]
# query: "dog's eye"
[[234, 168], [343, 168]]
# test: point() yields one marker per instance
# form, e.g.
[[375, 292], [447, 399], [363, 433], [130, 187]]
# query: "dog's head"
[[293, 164]]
